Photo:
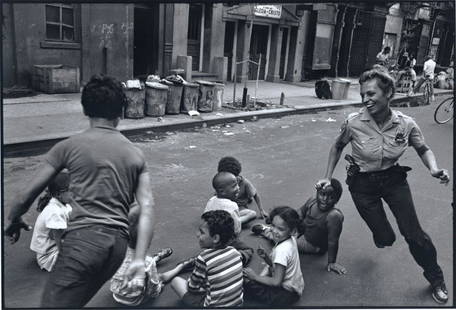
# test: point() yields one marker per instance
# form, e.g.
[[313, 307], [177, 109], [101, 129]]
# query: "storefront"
[[262, 34]]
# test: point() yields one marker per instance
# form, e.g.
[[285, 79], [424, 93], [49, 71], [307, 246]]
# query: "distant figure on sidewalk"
[[383, 56], [227, 189], [107, 174], [320, 226], [428, 73], [51, 222], [247, 192], [216, 280], [379, 137], [407, 67]]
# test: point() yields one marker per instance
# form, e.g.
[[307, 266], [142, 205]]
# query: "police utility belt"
[[353, 171]]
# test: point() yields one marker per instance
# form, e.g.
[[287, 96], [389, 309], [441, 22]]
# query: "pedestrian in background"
[[383, 56], [428, 73], [107, 173], [379, 136]]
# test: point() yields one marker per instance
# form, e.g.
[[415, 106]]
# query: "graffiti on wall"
[[106, 32]]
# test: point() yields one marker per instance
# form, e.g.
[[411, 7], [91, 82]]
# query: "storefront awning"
[[262, 14]]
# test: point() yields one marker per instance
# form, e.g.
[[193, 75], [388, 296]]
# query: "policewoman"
[[379, 136]]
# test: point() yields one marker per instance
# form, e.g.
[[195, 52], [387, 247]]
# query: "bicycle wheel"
[[426, 93], [444, 111]]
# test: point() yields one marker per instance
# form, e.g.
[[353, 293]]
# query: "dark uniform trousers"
[[367, 189]]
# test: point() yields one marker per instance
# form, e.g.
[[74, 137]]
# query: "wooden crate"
[[53, 79]]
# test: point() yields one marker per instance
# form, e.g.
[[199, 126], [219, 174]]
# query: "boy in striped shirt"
[[217, 278]]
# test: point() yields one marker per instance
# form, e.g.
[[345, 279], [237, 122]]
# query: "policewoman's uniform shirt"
[[376, 149]]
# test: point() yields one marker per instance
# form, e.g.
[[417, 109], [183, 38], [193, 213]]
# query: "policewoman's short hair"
[[384, 80]]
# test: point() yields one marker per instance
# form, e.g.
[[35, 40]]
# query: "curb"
[[41, 144]]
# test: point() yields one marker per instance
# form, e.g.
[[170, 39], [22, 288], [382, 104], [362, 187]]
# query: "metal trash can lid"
[[156, 85], [189, 84], [48, 66], [342, 81], [206, 83]]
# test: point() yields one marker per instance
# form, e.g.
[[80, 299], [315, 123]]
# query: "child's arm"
[[263, 213], [275, 280], [335, 220], [262, 253], [302, 216], [198, 276]]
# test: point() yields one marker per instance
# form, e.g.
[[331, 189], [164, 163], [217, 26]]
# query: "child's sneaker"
[[162, 254], [440, 293], [258, 229]]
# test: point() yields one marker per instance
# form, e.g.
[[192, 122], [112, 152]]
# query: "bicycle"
[[427, 90], [444, 111]]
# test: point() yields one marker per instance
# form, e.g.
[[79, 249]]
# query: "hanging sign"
[[272, 11]]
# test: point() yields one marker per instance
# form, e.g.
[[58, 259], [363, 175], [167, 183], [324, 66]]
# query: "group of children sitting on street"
[[219, 273]]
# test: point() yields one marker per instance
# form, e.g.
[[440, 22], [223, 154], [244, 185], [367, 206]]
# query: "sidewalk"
[[55, 117]]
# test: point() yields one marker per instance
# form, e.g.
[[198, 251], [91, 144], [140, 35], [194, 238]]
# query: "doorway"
[[230, 28], [194, 34], [258, 45], [145, 47]]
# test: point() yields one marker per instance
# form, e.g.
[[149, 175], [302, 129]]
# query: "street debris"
[[330, 120], [314, 120], [160, 119], [193, 113], [192, 146], [284, 126], [228, 133], [241, 121], [226, 125], [219, 114], [254, 118]]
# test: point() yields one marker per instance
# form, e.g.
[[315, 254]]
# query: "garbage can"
[[136, 95], [189, 97], [156, 98], [206, 98], [339, 88], [174, 96], [218, 100]]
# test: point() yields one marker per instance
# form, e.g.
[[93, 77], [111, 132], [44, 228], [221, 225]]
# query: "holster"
[[352, 169]]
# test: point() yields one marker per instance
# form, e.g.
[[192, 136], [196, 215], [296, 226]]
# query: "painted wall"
[[217, 34], [180, 31], [30, 34], [107, 36], [8, 55], [394, 25]]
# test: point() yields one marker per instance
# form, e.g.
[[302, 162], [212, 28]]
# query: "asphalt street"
[[283, 158]]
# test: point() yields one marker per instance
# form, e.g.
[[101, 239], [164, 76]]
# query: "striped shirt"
[[218, 274]]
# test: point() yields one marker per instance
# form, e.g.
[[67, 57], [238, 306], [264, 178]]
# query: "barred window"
[[60, 22]]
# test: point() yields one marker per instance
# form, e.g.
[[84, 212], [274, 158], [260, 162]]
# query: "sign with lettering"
[[272, 11]]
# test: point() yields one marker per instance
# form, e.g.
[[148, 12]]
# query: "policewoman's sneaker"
[[440, 293]]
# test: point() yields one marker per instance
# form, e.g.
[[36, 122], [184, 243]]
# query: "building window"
[[60, 22]]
